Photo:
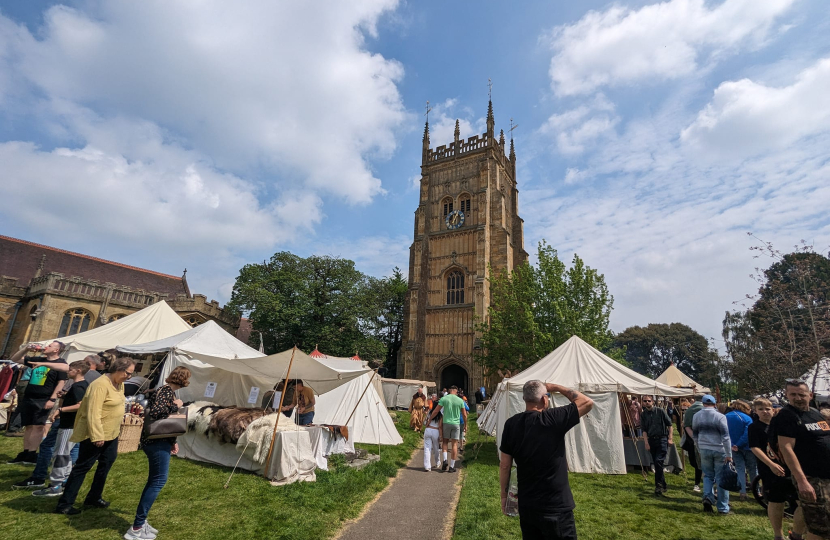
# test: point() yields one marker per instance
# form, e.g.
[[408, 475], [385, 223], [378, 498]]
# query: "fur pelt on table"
[[225, 424]]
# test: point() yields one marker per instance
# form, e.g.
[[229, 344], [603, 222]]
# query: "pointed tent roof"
[[677, 379], [154, 322], [206, 340], [577, 365], [823, 379], [316, 353]]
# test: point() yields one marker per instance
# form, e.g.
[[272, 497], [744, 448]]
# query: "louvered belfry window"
[[455, 288]]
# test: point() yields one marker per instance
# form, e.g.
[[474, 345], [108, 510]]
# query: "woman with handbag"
[[161, 404]]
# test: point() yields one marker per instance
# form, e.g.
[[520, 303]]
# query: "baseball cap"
[[709, 399]]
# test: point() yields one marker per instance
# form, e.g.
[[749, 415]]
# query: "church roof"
[[20, 259]]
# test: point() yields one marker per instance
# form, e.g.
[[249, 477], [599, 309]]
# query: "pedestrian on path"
[[656, 426], [452, 408], [712, 438], [738, 421], [535, 440], [432, 443], [688, 442], [416, 409]]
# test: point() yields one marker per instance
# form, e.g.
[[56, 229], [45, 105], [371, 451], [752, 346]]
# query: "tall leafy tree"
[[651, 349], [386, 324], [533, 310], [310, 301], [786, 331]]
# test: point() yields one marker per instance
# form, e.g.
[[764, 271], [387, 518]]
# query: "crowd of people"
[[787, 446], [85, 403], [444, 423]]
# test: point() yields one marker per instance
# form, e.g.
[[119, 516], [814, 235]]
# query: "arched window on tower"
[[464, 204], [455, 288], [447, 204], [74, 321]]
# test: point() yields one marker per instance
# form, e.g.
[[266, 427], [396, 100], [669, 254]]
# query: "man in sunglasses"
[[656, 426]]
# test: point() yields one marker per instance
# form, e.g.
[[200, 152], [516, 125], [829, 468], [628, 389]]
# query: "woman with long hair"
[[161, 404], [416, 408]]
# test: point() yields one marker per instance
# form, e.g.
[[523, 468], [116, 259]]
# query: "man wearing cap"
[[711, 434]]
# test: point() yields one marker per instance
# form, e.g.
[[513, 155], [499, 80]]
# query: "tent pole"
[[374, 372], [279, 412]]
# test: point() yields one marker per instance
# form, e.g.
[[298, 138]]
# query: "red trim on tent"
[[317, 354]]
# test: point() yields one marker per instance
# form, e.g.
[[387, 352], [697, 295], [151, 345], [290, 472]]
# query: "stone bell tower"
[[467, 220]]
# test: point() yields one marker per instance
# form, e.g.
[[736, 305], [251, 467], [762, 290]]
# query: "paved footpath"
[[418, 504]]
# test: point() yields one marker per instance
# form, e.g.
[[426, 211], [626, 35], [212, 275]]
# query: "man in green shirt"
[[452, 408]]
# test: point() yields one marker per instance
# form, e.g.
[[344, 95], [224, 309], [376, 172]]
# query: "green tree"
[[650, 350], [534, 310], [310, 301], [386, 324], [786, 330]]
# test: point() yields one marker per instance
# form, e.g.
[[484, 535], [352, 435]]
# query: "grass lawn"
[[607, 506], [193, 504]]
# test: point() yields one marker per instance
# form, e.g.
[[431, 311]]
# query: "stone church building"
[[467, 222], [48, 293]]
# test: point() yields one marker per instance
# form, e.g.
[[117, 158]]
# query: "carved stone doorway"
[[454, 374]]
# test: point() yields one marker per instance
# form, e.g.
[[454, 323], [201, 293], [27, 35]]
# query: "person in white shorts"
[[432, 443]]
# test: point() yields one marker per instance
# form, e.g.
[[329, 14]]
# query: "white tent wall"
[[370, 423], [154, 322], [595, 445], [398, 393], [231, 388]]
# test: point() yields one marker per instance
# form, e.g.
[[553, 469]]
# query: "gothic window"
[[115, 317], [194, 320], [455, 288], [447, 203], [464, 204], [74, 321]]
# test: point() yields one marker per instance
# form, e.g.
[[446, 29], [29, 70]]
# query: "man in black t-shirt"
[[40, 395], [804, 442], [535, 440]]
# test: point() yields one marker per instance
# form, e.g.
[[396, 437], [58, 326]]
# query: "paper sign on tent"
[[210, 389], [252, 397]]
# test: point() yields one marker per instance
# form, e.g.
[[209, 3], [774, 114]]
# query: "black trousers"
[[539, 525], [88, 455], [690, 448], [658, 448]]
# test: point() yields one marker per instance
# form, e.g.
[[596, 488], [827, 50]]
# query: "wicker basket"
[[130, 435]]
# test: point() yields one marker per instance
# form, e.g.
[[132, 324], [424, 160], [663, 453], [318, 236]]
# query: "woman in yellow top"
[[97, 426]]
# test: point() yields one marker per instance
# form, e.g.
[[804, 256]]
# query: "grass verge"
[[608, 507], [193, 504]]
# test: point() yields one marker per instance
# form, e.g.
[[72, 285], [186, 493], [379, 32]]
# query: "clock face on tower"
[[454, 219]]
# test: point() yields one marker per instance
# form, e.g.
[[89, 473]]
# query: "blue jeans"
[[158, 455], [47, 450], [711, 461], [305, 419], [745, 462]]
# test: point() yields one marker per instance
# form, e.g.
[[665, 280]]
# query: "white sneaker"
[[151, 528], [141, 534], [696, 489]]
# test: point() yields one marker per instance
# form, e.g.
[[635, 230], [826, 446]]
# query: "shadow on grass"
[[89, 519]]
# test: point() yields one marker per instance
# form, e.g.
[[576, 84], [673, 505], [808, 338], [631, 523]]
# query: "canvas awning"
[[152, 323]]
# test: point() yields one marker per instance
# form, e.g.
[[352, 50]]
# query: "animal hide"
[[257, 438], [229, 424]]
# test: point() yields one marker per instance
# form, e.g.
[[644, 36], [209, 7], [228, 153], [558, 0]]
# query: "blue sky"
[[652, 136]]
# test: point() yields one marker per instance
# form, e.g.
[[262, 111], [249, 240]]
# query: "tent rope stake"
[[277, 423]]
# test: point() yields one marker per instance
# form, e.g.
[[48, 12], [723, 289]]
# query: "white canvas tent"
[[595, 445], [822, 381], [677, 379], [398, 392], [370, 422], [154, 322]]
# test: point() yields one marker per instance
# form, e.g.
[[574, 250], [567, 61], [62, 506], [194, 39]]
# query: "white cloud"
[[582, 127], [746, 118], [664, 41], [667, 227], [373, 255], [286, 90]]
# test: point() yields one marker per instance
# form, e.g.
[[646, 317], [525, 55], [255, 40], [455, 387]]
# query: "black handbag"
[[175, 425]]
